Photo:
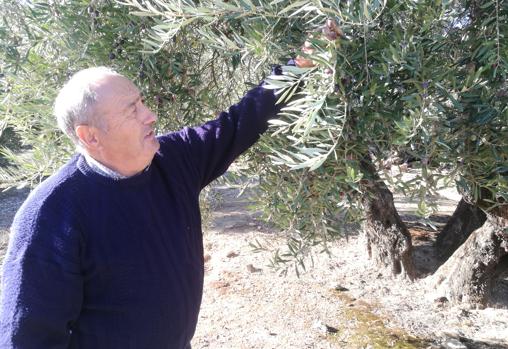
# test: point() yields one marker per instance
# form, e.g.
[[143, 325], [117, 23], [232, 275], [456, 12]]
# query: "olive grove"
[[397, 80]]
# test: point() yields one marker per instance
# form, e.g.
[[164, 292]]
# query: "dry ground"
[[341, 302]]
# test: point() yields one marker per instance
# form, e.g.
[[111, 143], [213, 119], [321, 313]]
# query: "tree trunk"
[[468, 275], [466, 219], [388, 240]]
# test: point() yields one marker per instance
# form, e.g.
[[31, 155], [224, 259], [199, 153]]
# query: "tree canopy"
[[418, 80]]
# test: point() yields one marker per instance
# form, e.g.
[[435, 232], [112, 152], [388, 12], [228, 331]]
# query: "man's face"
[[125, 127]]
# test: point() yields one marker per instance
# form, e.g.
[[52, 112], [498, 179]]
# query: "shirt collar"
[[99, 168]]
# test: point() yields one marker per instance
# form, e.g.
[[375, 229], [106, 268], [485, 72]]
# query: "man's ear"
[[87, 136]]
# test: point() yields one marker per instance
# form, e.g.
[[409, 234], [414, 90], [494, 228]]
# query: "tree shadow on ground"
[[423, 238], [475, 344], [233, 212], [10, 201]]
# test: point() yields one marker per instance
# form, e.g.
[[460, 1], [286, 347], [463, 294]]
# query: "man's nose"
[[149, 117]]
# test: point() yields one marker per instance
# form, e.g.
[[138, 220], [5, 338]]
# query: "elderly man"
[[107, 252]]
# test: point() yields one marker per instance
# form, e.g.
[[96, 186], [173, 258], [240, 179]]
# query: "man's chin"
[[155, 145]]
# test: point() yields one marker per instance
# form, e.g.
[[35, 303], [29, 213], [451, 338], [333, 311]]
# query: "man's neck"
[[100, 168]]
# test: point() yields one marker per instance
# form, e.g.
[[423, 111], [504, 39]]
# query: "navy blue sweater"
[[95, 262]]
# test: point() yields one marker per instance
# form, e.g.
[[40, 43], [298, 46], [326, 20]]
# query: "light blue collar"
[[100, 168]]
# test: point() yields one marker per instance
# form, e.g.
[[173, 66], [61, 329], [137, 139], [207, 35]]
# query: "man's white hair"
[[75, 102]]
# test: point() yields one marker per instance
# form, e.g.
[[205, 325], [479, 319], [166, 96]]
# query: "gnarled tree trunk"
[[469, 273], [466, 219], [388, 240]]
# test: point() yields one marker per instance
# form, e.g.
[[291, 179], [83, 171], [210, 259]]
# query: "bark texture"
[[388, 240], [468, 275], [466, 219]]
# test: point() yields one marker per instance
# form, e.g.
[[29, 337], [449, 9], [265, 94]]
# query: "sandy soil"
[[340, 302]]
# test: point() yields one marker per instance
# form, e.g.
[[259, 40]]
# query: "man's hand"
[[302, 62], [331, 32]]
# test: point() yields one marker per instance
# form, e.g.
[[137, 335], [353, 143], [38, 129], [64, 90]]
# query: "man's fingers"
[[331, 31], [307, 46], [302, 62]]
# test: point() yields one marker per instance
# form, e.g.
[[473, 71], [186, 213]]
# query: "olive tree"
[[378, 80], [425, 79], [474, 100]]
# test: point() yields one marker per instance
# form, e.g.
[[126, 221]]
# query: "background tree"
[[44, 43], [476, 120]]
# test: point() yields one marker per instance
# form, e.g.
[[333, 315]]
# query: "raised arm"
[[216, 144]]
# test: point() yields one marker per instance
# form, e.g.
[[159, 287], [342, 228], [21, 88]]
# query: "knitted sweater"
[[96, 262]]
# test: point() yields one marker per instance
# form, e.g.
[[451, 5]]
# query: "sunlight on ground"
[[367, 330]]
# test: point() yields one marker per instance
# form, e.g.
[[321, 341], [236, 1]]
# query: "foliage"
[[473, 101], [44, 43], [421, 79], [424, 80]]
